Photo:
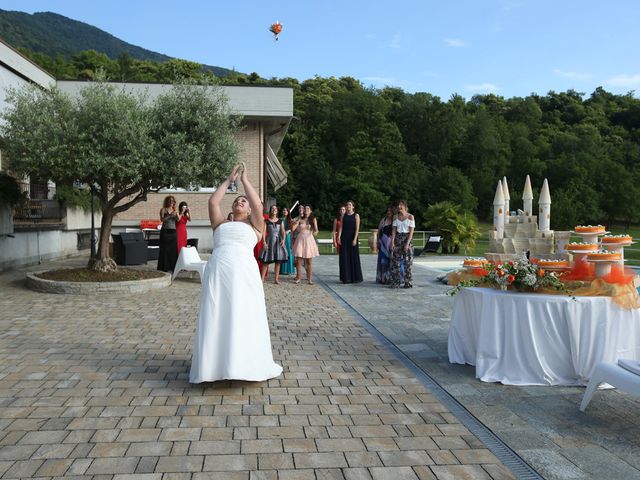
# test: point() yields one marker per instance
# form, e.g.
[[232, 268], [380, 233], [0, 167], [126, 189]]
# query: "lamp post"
[[93, 228]]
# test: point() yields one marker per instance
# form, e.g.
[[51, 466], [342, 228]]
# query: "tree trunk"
[[102, 262]]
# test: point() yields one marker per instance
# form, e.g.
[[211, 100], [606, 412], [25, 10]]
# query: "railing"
[[419, 241], [39, 205]]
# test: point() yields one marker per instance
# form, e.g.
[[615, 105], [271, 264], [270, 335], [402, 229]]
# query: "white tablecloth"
[[534, 339]]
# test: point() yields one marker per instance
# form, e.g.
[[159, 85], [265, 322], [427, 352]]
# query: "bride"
[[232, 336]]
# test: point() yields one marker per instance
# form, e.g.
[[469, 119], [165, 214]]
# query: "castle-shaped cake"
[[516, 232]]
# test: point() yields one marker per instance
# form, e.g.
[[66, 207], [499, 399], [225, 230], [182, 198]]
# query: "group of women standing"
[[173, 233], [287, 238], [395, 247]]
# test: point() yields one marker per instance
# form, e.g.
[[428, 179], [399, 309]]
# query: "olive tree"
[[122, 145]]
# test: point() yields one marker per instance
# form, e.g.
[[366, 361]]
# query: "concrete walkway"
[[97, 387], [541, 424]]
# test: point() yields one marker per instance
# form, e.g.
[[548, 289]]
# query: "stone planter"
[[91, 288]]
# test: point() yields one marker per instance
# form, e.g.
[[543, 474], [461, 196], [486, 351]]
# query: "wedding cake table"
[[538, 339]]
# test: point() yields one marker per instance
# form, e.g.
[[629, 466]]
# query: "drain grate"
[[521, 469]]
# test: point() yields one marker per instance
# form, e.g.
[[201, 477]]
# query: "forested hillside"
[[55, 35], [376, 146]]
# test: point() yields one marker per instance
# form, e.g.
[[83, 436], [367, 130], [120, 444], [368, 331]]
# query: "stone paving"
[[542, 424], [97, 387]]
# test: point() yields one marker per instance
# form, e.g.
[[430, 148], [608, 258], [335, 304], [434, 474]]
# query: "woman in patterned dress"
[[401, 246]]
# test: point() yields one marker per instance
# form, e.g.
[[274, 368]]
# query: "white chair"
[[189, 260], [614, 375]]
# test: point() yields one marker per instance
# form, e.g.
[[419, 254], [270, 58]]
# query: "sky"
[[466, 47]]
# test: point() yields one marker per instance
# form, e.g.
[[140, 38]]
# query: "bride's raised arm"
[[215, 214], [256, 218]]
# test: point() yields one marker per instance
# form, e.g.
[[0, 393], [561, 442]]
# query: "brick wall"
[[250, 141]]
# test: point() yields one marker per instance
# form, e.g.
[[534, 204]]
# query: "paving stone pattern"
[[97, 387], [542, 424]]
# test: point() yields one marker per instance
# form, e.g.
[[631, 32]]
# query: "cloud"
[[482, 88], [406, 85], [380, 80], [624, 80], [395, 41], [456, 42], [574, 75]]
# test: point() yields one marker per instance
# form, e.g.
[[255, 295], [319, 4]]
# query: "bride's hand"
[[234, 173], [243, 175]]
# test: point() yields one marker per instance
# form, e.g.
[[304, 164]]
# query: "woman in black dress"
[[350, 271], [168, 255]]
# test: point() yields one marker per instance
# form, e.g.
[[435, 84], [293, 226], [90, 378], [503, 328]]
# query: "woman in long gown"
[[273, 250], [181, 225], [232, 336], [168, 255], [287, 268], [383, 268], [402, 247], [349, 258], [305, 247]]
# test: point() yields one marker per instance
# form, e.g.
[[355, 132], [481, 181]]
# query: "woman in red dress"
[[181, 225]]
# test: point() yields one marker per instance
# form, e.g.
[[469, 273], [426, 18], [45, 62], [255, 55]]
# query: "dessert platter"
[[579, 250], [617, 240], [474, 262], [553, 264], [589, 233]]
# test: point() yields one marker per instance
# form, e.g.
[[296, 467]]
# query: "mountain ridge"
[[53, 34]]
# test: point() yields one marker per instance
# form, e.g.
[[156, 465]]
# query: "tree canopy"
[[375, 146], [122, 145]]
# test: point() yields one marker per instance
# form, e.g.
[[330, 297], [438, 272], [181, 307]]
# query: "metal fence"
[[419, 241], [39, 205]]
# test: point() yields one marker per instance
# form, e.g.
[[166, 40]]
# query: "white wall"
[[6, 220], [27, 248], [8, 79]]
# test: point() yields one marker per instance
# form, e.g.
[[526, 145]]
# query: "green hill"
[[53, 34]]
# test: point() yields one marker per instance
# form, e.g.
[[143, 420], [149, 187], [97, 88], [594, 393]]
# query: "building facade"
[[266, 113]]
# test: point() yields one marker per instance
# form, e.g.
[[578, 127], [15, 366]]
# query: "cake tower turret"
[[544, 216], [507, 197], [527, 197], [498, 212]]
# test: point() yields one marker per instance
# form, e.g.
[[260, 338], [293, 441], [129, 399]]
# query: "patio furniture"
[[433, 244], [130, 248], [624, 375], [189, 260], [153, 248], [192, 242]]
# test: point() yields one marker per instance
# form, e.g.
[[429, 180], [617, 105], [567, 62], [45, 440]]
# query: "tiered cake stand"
[[603, 267], [617, 248], [589, 237], [580, 255]]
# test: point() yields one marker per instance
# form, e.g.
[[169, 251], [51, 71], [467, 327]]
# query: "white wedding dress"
[[232, 337]]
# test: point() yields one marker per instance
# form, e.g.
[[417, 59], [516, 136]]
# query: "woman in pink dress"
[[305, 245], [181, 225]]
